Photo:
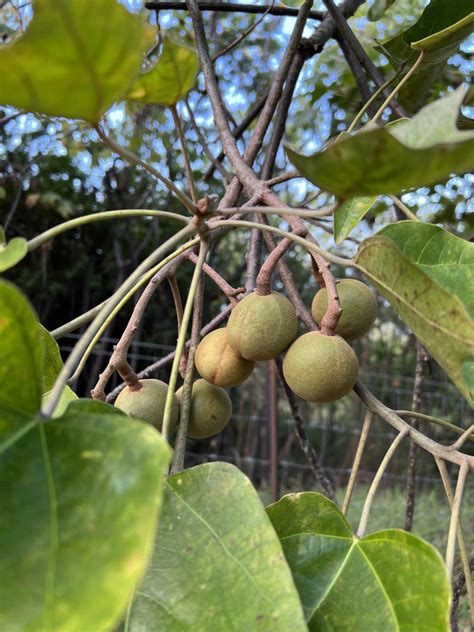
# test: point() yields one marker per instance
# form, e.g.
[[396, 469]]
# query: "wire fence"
[[333, 429]]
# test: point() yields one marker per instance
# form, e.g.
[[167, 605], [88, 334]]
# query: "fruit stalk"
[[180, 444], [181, 342], [78, 351]]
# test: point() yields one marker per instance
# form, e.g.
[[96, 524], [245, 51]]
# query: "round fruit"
[[218, 363], [211, 409], [262, 326], [320, 368], [359, 308], [148, 403]]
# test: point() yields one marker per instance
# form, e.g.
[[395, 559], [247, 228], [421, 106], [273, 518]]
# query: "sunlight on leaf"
[[390, 580], [349, 214], [73, 60], [80, 495], [52, 366], [217, 560], [170, 79], [12, 252], [423, 271]]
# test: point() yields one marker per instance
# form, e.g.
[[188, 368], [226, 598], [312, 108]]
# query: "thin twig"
[[453, 524], [404, 208], [136, 160], [221, 283], [308, 450], [186, 395], [387, 414], [364, 433], [421, 360], [462, 545], [433, 420], [227, 49], [399, 86], [49, 234], [375, 483], [187, 161], [229, 7], [205, 147], [181, 342]]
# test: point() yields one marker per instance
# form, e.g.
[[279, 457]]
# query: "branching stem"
[[81, 346]]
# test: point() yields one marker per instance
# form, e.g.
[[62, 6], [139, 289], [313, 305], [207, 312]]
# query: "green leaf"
[[12, 252], [73, 61], [80, 494], [52, 366], [378, 8], [467, 373], [80, 497], [390, 580], [439, 32], [408, 154], [425, 273], [170, 79], [21, 362], [217, 563], [348, 215]]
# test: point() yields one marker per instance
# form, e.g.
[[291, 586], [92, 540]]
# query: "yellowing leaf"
[[74, 60], [424, 271], [170, 79]]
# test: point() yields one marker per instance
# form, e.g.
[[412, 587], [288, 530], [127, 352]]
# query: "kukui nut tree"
[[102, 526]]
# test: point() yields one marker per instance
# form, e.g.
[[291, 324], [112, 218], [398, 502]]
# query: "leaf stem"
[[83, 343], [462, 545], [454, 522], [180, 345], [377, 478], [368, 103], [148, 275], [404, 208], [77, 322], [187, 162], [41, 239], [364, 433], [433, 420], [310, 246], [399, 86], [133, 159]]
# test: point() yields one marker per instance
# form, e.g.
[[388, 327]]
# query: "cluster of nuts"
[[317, 367]]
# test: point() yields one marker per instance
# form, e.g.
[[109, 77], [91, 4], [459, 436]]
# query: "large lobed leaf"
[[170, 79], [427, 273], [80, 495], [390, 580], [440, 30], [217, 563], [74, 60], [408, 154]]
